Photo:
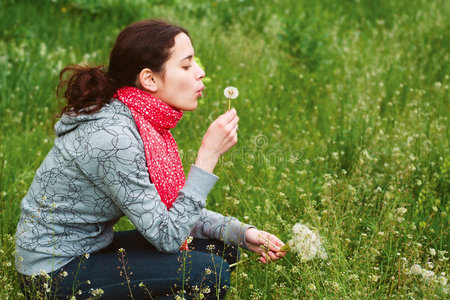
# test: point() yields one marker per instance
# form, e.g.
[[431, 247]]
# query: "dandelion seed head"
[[427, 274], [231, 92], [442, 280], [416, 269]]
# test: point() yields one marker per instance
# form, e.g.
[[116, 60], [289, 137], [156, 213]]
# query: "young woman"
[[114, 155]]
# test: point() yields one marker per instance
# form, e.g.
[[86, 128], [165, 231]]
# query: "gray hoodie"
[[96, 173]]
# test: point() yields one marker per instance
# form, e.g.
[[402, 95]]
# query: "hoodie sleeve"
[[226, 229], [114, 161]]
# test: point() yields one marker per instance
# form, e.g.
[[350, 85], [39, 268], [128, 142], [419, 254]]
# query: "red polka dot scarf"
[[154, 119]]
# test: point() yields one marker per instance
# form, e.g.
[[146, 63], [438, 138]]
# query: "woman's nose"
[[200, 73]]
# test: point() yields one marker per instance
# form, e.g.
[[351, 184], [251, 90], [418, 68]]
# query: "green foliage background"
[[343, 112]]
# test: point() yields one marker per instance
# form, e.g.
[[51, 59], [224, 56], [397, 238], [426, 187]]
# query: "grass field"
[[344, 126]]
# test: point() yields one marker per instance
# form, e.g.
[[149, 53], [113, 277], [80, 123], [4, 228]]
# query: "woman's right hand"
[[218, 139]]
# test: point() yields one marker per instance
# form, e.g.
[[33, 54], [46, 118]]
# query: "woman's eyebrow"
[[187, 57]]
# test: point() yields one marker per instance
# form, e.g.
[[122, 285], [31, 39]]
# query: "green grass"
[[343, 110]]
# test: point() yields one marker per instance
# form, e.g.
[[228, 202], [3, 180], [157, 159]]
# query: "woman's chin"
[[191, 107]]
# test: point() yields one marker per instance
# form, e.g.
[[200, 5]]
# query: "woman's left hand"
[[265, 243]]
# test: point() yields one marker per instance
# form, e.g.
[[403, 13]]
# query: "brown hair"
[[144, 44]]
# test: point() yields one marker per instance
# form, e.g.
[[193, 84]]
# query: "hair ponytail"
[[144, 44], [86, 90]]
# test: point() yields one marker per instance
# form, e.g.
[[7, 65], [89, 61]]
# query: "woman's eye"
[[187, 67]]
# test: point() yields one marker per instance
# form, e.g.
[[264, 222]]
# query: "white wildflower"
[[231, 92], [97, 292], [353, 277], [401, 210], [44, 274], [210, 247]]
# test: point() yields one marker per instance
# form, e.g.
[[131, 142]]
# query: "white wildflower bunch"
[[306, 243], [97, 292]]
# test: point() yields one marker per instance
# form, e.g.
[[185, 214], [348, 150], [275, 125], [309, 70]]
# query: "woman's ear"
[[146, 81]]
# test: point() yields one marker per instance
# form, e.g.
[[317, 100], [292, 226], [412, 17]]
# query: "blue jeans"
[[143, 271]]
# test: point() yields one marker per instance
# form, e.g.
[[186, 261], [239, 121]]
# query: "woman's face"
[[182, 84]]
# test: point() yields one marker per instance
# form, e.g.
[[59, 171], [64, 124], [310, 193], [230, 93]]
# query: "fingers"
[[280, 254], [270, 241], [277, 242], [229, 119], [268, 245], [228, 116], [254, 248], [233, 123], [268, 257]]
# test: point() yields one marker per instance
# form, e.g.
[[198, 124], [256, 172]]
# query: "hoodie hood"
[[111, 111]]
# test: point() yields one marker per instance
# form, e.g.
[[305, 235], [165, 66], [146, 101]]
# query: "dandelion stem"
[[245, 260]]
